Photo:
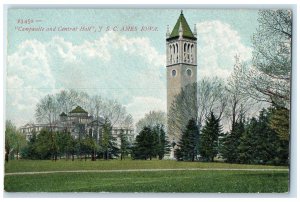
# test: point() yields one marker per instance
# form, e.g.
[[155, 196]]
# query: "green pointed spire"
[[187, 32]]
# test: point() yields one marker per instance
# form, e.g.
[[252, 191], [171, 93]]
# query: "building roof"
[[78, 109], [97, 122], [63, 114], [187, 32]]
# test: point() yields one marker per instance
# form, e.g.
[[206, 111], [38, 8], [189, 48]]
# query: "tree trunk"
[[107, 155], [6, 156], [233, 114], [93, 156]]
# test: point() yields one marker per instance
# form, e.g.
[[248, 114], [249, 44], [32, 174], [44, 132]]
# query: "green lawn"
[[61, 165], [231, 181], [163, 181]]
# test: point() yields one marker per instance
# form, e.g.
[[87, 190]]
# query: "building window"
[[189, 72], [173, 72]]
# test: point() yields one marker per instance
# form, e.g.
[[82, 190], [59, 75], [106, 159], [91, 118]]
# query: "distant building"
[[78, 123]]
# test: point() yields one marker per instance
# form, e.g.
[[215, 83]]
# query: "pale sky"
[[125, 65]]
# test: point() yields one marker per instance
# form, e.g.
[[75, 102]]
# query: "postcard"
[[127, 100]]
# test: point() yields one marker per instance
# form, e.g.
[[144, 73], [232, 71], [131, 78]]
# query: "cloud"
[[102, 49], [115, 66], [28, 77], [218, 44], [128, 69], [30, 66]]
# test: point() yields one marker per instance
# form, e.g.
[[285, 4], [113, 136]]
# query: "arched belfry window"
[[170, 54], [177, 53], [192, 53], [184, 52], [174, 53], [173, 73], [188, 53]]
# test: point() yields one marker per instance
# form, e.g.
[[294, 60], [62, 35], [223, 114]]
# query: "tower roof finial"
[[168, 32], [182, 25]]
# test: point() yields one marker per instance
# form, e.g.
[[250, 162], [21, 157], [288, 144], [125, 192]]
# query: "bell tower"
[[181, 53]]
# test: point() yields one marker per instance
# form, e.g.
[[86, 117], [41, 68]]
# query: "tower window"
[[189, 72], [173, 72]]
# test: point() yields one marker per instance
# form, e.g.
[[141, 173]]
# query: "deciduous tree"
[[151, 119], [269, 77]]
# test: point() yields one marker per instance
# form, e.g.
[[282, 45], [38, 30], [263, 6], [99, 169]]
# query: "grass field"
[[46, 165], [230, 181]]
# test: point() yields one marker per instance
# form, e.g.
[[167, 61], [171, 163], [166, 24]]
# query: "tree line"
[[49, 144], [151, 142], [255, 141], [251, 141], [51, 106]]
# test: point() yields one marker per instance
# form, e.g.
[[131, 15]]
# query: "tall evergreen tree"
[[231, 141], [124, 147], [209, 138], [108, 144], [143, 148], [260, 144], [155, 141], [44, 144], [29, 152], [65, 144], [188, 144], [151, 143], [163, 145]]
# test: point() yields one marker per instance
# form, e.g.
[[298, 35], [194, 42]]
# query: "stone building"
[[79, 123], [181, 66]]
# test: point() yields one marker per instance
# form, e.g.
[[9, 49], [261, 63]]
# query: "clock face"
[[189, 72], [173, 72]]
